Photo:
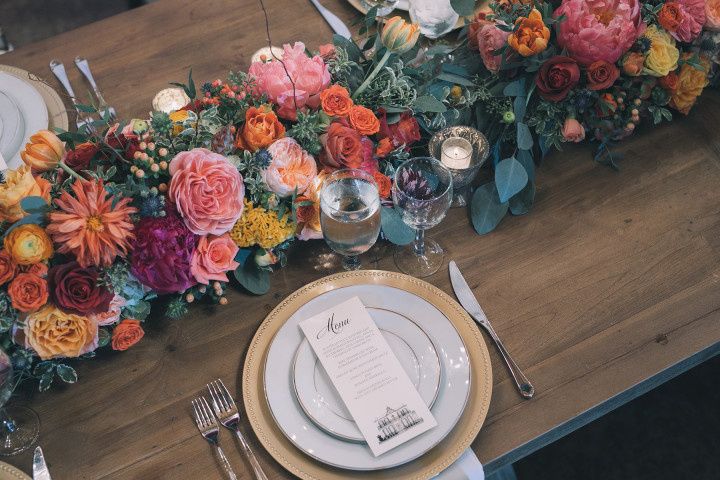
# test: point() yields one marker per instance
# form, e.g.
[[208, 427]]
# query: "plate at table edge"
[[57, 112], [8, 472], [431, 463]]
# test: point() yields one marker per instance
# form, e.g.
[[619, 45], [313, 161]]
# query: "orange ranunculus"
[[126, 334], [364, 120], [53, 333], [28, 292], [384, 147], [669, 82], [336, 101], [670, 16], [28, 244], [531, 36], [691, 82], [18, 184], [8, 267], [261, 129], [43, 152], [384, 184]]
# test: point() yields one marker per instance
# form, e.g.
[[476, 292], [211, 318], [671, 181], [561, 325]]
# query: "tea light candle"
[[170, 99], [265, 54], [456, 153]]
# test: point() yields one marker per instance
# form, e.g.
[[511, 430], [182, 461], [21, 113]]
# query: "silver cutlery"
[[84, 67], [470, 304], [209, 429], [335, 23], [40, 469], [84, 121], [227, 412]]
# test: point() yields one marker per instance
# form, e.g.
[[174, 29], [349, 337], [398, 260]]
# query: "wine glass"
[[19, 426], [435, 17], [422, 192], [350, 214], [384, 7]]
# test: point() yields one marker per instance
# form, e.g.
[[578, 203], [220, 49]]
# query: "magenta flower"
[[598, 29]]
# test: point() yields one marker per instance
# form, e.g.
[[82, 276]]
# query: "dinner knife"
[[40, 470], [335, 23], [470, 304]]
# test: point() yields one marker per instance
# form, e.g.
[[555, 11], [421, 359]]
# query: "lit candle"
[[456, 153], [265, 54], [170, 99]]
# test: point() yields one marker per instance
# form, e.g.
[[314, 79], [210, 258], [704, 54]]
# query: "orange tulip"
[[531, 36], [43, 152]]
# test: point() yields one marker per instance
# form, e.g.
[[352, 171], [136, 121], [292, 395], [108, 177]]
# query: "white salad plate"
[[32, 111], [322, 403], [312, 440]]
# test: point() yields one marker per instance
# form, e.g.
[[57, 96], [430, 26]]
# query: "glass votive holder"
[[463, 150]]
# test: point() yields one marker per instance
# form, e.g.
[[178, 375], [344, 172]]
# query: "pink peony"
[[691, 20], [311, 76], [291, 168], [213, 257], [207, 191], [598, 29], [490, 39]]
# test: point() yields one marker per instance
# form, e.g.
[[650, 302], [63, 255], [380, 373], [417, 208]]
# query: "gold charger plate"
[[404, 13], [428, 465], [57, 113], [8, 472]]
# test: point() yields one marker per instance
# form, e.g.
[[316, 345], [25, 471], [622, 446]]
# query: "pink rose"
[[213, 257], [573, 131], [113, 313], [311, 76], [489, 39], [207, 191], [291, 168]]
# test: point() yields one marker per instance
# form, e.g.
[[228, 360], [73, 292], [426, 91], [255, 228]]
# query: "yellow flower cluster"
[[258, 226]]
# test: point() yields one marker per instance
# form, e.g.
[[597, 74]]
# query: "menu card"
[[377, 392]]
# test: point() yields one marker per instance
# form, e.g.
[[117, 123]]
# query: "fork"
[[227, 412], [84, 67], [84, 121], [209, 429]]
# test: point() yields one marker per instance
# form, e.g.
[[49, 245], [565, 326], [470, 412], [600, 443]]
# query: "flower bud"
[[399, 36], [508, 117], [43, 152]]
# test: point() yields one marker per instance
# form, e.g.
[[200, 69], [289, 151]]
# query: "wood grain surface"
[[613, 279]]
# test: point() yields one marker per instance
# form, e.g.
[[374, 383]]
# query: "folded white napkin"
[[467, 467]]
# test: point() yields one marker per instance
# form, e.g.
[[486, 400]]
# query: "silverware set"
[[85, 121], [224, 412]]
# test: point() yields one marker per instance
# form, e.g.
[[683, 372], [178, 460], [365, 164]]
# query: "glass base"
[[459, 200], [409, 262], [19, 429], [350, 263]]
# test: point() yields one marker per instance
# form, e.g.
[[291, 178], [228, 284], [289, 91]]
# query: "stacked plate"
[[26, 106], [300, 418]]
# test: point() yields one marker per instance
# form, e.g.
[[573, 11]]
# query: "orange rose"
[[670, 16], [28, 244], [7, 267], [633, 63], [669, 82], [691, 82], [126, 334], [336, 101], [53, 333], [532, 36], [28, 292], [261, 129], [43, 152], [18, 184], [384, 147], [364, 120], [384, 183]]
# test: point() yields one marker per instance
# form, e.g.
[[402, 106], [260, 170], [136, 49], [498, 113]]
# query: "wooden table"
[[609, 287]]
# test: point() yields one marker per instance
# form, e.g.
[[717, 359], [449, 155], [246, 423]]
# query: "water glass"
[[384, 6], [350, 214], [435, 17], [422, 192], [19, 426]]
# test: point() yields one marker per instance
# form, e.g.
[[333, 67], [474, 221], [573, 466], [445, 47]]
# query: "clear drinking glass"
[[350, 214], [19, 426], [384, 6], [422, 192], [435, 17]]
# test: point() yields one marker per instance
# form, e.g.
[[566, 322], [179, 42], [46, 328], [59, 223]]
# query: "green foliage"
[[176, 308], [392, 87], [308, 128], [256, 280], [510, 178], [486, 209], [394, 229]]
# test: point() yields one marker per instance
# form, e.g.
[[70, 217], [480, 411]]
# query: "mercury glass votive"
[[452, 146]]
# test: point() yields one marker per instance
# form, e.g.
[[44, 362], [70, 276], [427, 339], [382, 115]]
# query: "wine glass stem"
[[8, 425], [351, 262], [419, 242]]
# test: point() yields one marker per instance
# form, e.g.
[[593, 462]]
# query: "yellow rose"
[[691, 82], [28, 244], [18, 184], [43, 152], [178, 117], [663, 56], [53, 333]]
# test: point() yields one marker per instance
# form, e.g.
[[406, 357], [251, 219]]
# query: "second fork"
[[209, 429]]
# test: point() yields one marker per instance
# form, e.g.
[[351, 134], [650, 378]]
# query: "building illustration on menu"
[[396, 421]]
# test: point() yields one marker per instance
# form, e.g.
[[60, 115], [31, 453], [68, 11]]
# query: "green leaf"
[[524, 136], [46, 381], [104, 337], [349, 46], [394, 229], [521, 203], [515, 89], [429, 104], [519, 108], [486, 210], [464, 8], [191, 86], [85, 108], [525, 157], [456, 79], [255, 279], [66, 373], [510, 178], [34, 205], [43, 368]]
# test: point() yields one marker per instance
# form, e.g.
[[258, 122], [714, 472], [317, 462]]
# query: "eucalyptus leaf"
[[519, 107], [34, 205], [515, 88], [255, 279], [455, 79], [66, 373], [521, 203], [486, 210], [464, 8], [524, 136], [510, 178], [429, 104], [525, 157], [33, 218], [394, 229]]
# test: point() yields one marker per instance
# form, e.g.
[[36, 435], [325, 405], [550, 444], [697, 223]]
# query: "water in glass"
[[435, 17], [384, 6]]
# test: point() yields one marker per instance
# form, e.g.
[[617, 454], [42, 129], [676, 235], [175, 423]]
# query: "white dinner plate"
[[33, 113], [321, 402], [10, 126], [318, 444]]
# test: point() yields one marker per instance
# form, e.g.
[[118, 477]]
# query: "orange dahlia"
[[89, 226]]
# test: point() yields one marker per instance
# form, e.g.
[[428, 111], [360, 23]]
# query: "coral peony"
[[53, 333], [261, 129], [690, 84], [43, 152], [162, 252], [18, 184], [291, 169], [93, 225], [573, 131], [363, 120], [28, 292], [126, 334], [207, 190], [28, 244], [598, 29], [213, 257], [712, 14], [79, 290], [684, 19], [531, 35], [557, 77], [336, 101], [310, 76]]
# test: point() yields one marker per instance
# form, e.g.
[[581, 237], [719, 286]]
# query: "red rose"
[[557, 77], [601, 75], [343, 146], [77, 290], [405, 132], [79, 158]]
